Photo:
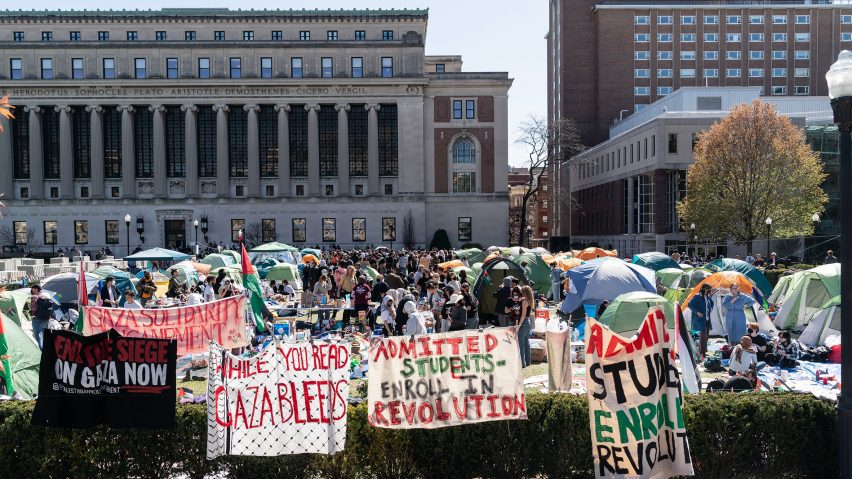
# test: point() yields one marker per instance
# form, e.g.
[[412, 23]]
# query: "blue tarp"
[[598, 281]]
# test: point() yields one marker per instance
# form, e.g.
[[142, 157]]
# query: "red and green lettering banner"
[[635, 402]]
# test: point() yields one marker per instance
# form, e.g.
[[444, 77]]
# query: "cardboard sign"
[[193, 327], [635, 401], [106, 379], [449, 379], [289, 399]]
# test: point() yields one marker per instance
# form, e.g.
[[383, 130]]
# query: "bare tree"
[[514, 225], [408, 230], [7, 238], [253, 234], [548, 146]]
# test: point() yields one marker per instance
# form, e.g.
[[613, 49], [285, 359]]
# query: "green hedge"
[[730, 435]]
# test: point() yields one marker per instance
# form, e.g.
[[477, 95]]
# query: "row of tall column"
[[128, 161]]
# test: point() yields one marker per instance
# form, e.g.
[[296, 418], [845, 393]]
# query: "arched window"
[[464, 169], [464, 152]]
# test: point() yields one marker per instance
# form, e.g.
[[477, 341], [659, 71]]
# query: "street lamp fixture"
[[839, 79], [691, 235], [195, 224], [204, 227], [529, 236], [140, 228], [768, 236], [127, 219]]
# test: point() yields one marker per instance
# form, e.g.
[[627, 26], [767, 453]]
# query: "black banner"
[[106, 379]]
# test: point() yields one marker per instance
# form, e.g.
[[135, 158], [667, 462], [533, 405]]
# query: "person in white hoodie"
[[416, 323]]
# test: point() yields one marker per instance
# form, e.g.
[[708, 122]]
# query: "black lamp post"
[[815, 220], [839, 79], [204, 227], [127, 219], [140, 228], [529, 236], [195, 224], [691, 236], [768, 237]]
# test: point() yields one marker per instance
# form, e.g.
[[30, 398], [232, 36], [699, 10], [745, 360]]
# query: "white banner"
[[449, 379], [635, 402], [289, 399]]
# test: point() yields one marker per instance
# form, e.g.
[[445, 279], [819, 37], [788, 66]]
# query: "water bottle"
[[575, 335]]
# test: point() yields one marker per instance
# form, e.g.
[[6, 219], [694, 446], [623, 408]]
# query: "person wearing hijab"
[[743, 357], [387, 312], [416, 323], [458, 313], [735, 303]]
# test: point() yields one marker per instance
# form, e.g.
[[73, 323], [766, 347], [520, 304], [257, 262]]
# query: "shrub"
[[748, 435], [440, 240]]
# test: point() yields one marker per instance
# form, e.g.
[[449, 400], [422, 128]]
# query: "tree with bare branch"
[[5, 110], [549, 146]]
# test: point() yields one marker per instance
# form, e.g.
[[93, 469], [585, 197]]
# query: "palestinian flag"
[[255, 293], [82, 298], [487, 278]]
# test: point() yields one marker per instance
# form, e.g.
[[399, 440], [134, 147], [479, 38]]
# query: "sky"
[[489, 38]]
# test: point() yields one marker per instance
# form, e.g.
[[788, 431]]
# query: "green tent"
[[627, 311], [740, 266], [217, 260], [806, 293], [20, 354], [670, 277], [824, 323], [233, 254], [471, 255], [282, 271], [655, 260], [489, 280], [682, 278], [273, 247], [476, 267], [234, 272], [186, 272], [537, 271], [12, 305], [471, 275], [370, 272]]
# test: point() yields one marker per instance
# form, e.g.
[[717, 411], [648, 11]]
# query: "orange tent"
[[203, 269], [450, 264], [308, 258], [567, 263], [592, 253], [723, 280]]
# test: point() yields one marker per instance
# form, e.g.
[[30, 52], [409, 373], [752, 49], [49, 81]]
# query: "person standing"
[[524, 324], [361, 300], [176, 288], [830, 258], [209, 294], [41, 310], [502, 295], [146, 288], [321, 289], [471, 304], [457, 313], [555, 283], [109, 293], [701, 306], [735, 303]]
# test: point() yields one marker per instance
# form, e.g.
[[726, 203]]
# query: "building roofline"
[[218, 12], [716, 4]]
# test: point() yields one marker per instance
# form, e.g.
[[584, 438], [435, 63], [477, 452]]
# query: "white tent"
[[717, 317], [822, 324]]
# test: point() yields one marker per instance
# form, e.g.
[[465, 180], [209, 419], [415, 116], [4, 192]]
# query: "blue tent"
[[603, 280], [655, 260], [740, 266]]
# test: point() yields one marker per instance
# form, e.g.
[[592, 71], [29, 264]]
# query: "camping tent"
[[123, 282], [187, 273], [598, 281], [655, 260], [721, 282], [471, 255], [12, 305], [65, 286], [626, 312], [490, 278], [537, 271], [234, 272], [823, 323], [157, 254], [754, 274], [22, 355], [273, 247], [450, 264], [592, 253], [682, 278], [808, 291], [218, 260], [282, 271]]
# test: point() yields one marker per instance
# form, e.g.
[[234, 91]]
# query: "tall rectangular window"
[[21, 233], [109, 68], [112, 143], [296, 67], [143, 139], [673, 143], [465, 228], [171, 68], [327, 67], [81, 232], [331, 35], [206, 119], [132, 36], [266, 67], [189, 35], [304, 35], [299, 230], [457, 109], [203, 68], [74, 36], [387, 34], [470, 109], [328, 141], [160, 36], [16, 66], [219, 35], [235, 67], [21, 147], [360, 35], [277, 35], [359, 229], [82, 141], [47, 36], [113, 233], [51, 232], [268, 132], [357, 141], [298, 142], [103, 36], [329, 230], [388, 141], [141, 66], [50, 142], [388, 229], [387, 67], [238, 142], [175, 142], [237, 225], [248, 35], [357, 67], [46, 68], [77, 69]]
